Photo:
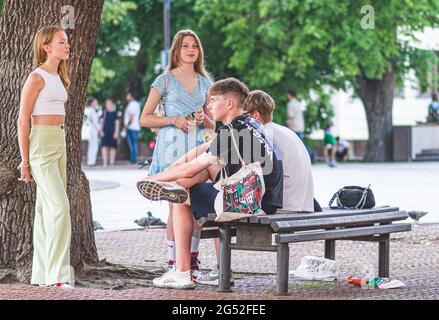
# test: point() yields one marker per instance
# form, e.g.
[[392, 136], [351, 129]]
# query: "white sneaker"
[[174, 280], [212, 278]]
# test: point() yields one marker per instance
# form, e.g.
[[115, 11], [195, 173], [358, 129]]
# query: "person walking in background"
[[110, 125], [433, 109], [329, 148], [183, 92], [92, 122], [132, 125], [43, 156], [342, 149], [296, 122]]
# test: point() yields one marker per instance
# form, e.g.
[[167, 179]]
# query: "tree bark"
[[18, 25], [377, 97]]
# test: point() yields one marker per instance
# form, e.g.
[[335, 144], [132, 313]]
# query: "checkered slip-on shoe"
[[167, 191]]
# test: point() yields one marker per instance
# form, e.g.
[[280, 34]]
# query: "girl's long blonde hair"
[[43, 37], [174, 54]]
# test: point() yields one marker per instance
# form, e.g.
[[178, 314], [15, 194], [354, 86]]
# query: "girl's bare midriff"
[[48, 120]]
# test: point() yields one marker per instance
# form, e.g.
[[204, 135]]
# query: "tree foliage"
[[305, 45], [311, 44]]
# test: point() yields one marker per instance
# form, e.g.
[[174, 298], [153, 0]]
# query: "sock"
[[183, 274], [195, 241], [171, 250]]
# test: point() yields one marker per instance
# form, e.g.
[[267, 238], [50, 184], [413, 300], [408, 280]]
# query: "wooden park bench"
[[255, 234]]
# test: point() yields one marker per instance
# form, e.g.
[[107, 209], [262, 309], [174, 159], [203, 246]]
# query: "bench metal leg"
[[225, 258], [384, 257], [283, 256], [330, 249]]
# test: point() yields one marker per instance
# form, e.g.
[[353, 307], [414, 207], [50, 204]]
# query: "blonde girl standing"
[[43, 156]]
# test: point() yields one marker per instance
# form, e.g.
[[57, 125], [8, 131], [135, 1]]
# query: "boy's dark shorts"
[[202, 197]]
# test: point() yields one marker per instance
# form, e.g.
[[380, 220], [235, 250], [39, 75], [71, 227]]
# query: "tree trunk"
[[18, 25], [377, 97]]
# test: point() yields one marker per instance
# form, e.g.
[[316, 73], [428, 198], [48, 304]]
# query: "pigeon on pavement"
[[416, 215]]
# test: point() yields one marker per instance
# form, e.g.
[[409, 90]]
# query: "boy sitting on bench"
[[203, 163], [298, 187]]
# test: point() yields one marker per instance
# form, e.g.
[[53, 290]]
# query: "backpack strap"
[[362, 202], [335, 196], [235, 144]]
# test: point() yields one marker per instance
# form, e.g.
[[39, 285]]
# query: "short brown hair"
[[260, 101], [230, 86]]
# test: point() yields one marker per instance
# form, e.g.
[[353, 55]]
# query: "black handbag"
[[353, 197]]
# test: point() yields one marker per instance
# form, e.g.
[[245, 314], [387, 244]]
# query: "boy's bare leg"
[[210, 173], [188, 183], [169, 224], [183, 228], [217, 249], [213, 170], [196, 226], [201, 177]]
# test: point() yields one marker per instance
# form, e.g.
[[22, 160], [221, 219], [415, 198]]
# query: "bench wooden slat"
[[264, 220], [340, 233], [202, 222], [253, 219], [253, 248], [328, 213], [322, 223], [209, 221], [213, 232]]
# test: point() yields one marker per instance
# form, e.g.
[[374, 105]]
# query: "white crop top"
[[52, 97]]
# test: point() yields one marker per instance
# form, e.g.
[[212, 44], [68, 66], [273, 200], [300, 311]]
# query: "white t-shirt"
[[93, 119], [132, 108], [342, 145], [295, 112], [298, 194]]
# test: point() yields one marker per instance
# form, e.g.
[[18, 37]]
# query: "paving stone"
[[414, 259]]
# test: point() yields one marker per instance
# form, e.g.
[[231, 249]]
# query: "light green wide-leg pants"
[[52, 226]]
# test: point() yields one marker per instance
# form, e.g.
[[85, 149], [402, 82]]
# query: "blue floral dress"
[[172, 143]]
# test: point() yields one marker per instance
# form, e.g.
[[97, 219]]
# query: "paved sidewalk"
[[414, 260]]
